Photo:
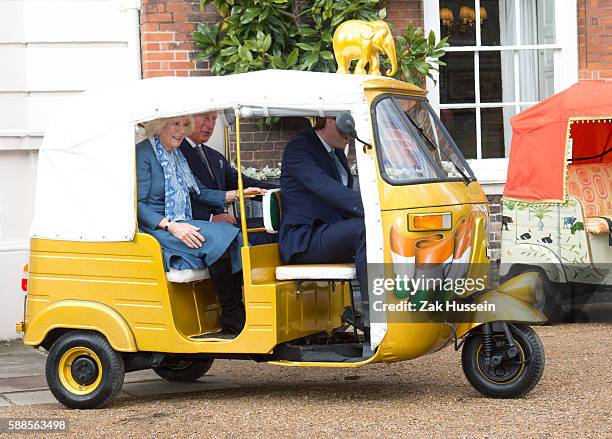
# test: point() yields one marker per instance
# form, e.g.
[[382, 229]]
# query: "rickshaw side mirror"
[[346, 124]]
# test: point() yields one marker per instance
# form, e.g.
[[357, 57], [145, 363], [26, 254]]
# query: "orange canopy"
[[540, 137]]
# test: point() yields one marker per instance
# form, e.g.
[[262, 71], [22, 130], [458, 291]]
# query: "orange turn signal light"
[[421, 222]]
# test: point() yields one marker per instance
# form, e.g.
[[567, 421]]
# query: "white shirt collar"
[[327, 147], [191, 142]]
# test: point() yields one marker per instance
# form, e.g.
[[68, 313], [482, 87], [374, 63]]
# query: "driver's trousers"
[[343, 242]]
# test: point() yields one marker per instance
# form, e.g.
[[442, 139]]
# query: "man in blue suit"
[[214, 171], [322, 216]]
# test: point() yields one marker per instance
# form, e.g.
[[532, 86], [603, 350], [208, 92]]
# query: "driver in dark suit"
[[322, 216]]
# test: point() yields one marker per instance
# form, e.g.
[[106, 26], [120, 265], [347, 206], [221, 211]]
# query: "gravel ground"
[[427, 397]]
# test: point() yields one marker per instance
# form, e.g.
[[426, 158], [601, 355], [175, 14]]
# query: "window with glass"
[[413, 145], [500, 61]]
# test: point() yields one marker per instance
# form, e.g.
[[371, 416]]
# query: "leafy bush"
[[419, 56], [297, 35], [277, 34]]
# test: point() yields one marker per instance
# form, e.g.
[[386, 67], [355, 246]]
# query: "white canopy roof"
[[86, 168]]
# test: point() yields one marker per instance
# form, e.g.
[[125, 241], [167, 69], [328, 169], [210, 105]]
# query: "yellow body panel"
[[80, 314], [508, 308], [376, 86], [120, 290], [404, 341]]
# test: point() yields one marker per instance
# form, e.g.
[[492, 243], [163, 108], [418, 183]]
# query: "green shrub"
[[297, 35]]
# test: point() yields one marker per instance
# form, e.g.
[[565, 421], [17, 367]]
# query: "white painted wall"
[[50, 49]]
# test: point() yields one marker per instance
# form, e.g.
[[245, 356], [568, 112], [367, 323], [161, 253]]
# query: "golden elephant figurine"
[[363, 40]]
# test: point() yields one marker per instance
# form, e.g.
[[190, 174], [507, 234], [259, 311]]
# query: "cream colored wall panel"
[[75, 21], [11, 296], [17, 198], [12, 143], [41, 106], [76, 68], [13, 74], [11, 21], [13, 112]]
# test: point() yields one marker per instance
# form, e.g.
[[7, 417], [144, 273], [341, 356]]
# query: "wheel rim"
[[80, 371], [505, 372]]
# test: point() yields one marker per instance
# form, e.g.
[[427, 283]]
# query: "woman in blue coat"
[[165, 185]]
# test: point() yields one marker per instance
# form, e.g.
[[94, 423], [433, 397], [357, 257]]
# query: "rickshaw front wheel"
[[183, 369], [497, 375], [83, 371]]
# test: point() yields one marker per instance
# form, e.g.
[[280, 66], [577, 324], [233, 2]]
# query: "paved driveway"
[[22, 379], [427, 397]]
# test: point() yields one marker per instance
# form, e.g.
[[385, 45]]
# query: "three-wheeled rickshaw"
[[100, 301], [557, 204]]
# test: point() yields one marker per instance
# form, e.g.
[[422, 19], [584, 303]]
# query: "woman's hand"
[[186, 233]]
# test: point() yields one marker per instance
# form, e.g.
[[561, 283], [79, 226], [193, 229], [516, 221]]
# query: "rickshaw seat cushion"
[[189, 275], [597, 225], [316, 272], [592, 184], [271, 204]]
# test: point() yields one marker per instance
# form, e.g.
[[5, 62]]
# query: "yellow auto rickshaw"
[[101, 303]]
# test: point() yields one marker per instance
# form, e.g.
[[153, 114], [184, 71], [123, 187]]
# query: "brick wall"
[[402, 12], [495, 211], [595, 39], [261, 147], [167, 45]]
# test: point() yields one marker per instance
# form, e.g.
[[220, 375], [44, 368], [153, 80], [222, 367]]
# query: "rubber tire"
[[113, 371], [189, 374], [524, 383]]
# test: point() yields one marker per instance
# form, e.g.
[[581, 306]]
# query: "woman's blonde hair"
[[154, 127]]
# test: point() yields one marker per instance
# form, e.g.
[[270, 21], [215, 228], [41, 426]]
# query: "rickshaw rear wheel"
[[511, 377], [183, 369], [83, 370]]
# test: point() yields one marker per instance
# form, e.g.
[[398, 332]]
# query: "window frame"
[[565, 53]]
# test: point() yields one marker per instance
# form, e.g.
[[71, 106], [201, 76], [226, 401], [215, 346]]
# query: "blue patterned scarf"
[[178, 179]]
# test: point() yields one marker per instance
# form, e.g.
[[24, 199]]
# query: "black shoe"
[[347, 317], [343, 335]]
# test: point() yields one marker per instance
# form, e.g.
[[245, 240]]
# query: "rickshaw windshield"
[[413, 144]]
